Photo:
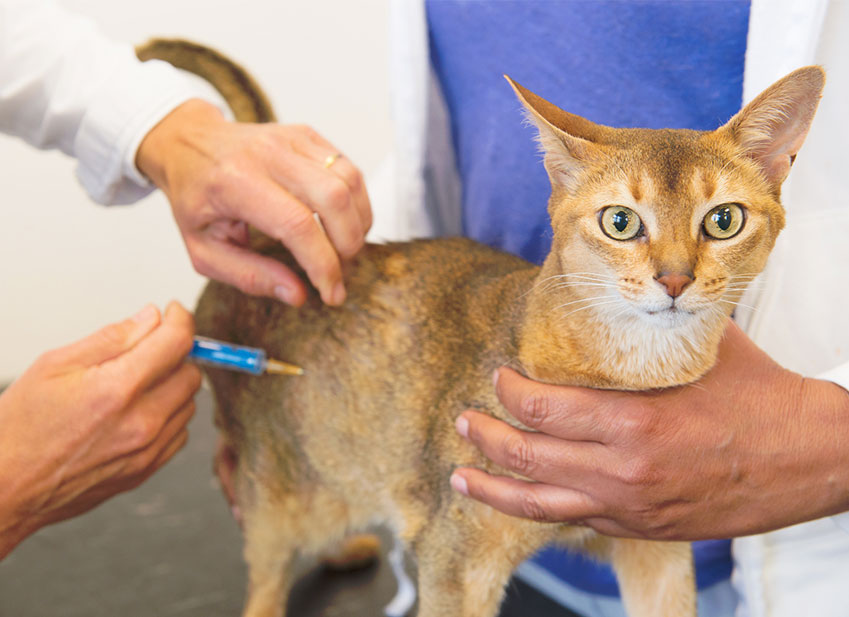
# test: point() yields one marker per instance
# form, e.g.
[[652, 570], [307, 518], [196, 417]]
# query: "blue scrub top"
[[622, 63]]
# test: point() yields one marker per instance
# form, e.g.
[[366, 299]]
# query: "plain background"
[[69, 266]]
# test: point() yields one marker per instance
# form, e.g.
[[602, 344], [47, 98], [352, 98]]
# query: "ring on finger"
[[331, 159]]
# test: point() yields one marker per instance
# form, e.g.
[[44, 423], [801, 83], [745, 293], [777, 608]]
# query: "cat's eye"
[[620, 223], [724, 221]]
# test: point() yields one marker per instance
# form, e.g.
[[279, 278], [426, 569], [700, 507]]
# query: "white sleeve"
[[64, 85]]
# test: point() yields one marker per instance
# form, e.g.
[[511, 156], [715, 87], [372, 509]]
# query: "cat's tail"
[[241, 91]]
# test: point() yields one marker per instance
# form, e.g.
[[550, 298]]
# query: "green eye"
[[620, 223], [724, 221]]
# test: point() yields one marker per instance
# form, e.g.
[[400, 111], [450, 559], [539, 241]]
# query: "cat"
[[655, 234]]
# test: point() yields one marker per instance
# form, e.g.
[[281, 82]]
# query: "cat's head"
[[664, 225]]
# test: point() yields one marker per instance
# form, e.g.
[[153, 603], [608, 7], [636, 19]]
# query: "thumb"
[[113, 340]]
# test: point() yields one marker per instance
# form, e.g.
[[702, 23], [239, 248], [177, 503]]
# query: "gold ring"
[[331, 159]]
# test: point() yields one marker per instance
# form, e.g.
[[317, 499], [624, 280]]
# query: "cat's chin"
[[671, 317]]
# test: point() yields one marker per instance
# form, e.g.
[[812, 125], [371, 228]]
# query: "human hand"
[[93, 419], [222, 176], [749, 448]]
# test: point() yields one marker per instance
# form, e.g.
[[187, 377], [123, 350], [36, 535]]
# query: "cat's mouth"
[[671, 316]]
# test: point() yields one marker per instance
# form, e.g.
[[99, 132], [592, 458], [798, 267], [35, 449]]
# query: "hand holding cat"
[[749, 448], [222, 176], [93, 419]]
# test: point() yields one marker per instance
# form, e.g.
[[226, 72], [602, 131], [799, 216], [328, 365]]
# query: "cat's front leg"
[[656, 579], [466, 557]]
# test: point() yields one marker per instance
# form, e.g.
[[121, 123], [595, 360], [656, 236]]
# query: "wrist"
[[829, 406], [163, 143]]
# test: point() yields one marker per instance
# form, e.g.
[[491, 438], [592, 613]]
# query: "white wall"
[[68, 266]]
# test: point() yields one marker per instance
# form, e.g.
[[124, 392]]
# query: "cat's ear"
[[566, 139], [772, 128]]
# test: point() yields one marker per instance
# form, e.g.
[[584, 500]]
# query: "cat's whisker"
[[592, 299], [696, 385], [613, 301], [582, 284], [546, 283], [737, 304]]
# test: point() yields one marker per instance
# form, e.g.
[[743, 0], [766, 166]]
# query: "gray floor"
[[170, 548]]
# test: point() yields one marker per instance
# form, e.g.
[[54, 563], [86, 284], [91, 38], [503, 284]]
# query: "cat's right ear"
[[772, 128], [566, 139]]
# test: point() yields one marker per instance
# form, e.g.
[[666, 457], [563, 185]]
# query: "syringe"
[[238, 358]]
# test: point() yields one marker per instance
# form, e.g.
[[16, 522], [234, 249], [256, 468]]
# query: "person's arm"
[[749, 448], [93, 419], [64, 85]]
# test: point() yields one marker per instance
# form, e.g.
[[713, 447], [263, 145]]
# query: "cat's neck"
[[559, 344]]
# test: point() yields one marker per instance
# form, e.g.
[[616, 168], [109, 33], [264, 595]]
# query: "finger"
[[324, 190], [317, 149], [278, 214], [535, 501], [353, 178], [146, 418], [534, 455], [156, 355], [162, 448], [246, 270], [109, 342], [129, 471], [562, 411], [164, 454]]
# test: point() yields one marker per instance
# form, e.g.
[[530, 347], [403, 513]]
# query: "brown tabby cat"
[[655, 234]]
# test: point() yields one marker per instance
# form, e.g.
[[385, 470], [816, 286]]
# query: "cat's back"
[[419, 284]]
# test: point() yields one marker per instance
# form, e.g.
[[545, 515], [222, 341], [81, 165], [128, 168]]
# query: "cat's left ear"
[[566, 139], [772, 128]]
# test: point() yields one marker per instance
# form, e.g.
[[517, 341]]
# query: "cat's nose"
[[674, 282]]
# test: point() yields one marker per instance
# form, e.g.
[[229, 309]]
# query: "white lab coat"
[[803, 298]]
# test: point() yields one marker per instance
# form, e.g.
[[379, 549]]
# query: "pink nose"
[[674, 283]]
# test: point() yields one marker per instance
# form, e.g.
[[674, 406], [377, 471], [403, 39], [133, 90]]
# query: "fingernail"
[[338, 295], [459, 484], [462, 426], [495, 375], [145, 315], [283, 293]]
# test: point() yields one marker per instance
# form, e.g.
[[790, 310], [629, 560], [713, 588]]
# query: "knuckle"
[[142, 431], [519, 454], [352, 244], [337, 195], [300, 225], [193, 378], [532, 508], [49, 359], [352, 177], [535, 409], [249, 282], [304, 129], [228, 172], [110, 396], [114, 334], [640, 472], [200, 263], [636, 424]]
